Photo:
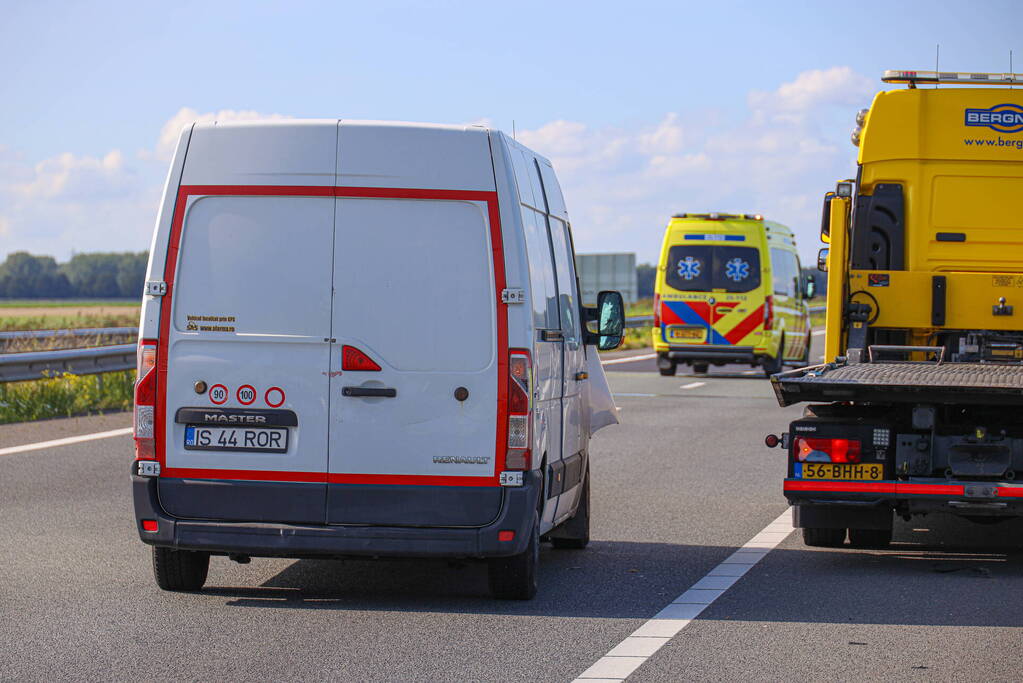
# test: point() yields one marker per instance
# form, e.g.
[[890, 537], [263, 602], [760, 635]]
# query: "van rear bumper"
[[266, 539], [728, 354]]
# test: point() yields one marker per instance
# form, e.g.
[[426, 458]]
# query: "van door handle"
[[377, 392], [551, 335], [580, 376]]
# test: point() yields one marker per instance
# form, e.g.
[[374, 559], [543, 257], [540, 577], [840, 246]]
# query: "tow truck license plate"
[[249, 439], [872, 471]]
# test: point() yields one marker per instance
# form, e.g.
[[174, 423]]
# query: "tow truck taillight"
[[827, 450], [768, 312], [657, 311], [145, 401], [520, 392]]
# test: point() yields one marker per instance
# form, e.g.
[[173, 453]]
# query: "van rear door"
[[414, 410], [245, 432]]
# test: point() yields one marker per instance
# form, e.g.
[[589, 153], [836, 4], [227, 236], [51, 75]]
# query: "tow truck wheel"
[[180, 570], [669, 370], [575, 533], [870, 538], [823, 538], [514, 577]]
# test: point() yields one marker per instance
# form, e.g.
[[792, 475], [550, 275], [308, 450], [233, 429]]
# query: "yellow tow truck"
[[917, 406]]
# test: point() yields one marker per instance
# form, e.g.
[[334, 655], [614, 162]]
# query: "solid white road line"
[[635, 395], [613, 361], [751, 372], [693, 385], [629, 655], [64, 442]]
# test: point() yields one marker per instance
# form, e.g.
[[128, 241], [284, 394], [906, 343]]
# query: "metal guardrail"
[[15, 367], [77, 332]]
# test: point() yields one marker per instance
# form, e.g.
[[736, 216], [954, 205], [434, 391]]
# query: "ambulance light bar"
[[914, 77]]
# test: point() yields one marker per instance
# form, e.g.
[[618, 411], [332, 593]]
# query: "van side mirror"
[[809, 287], [609, 320], [822, 259]]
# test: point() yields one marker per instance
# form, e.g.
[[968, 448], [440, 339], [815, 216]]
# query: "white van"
[[364, 339]]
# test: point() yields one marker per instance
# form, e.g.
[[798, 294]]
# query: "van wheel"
[[575, 533], [823, 538], [180, 570], [514, 577], [700, 368], [668, 371], [870, 538]]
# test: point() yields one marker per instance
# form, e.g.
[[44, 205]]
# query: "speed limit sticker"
[[219, 394], [246, 394]]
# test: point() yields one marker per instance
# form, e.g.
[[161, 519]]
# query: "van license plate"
[[689, 334], [251, 440], [871, 471]]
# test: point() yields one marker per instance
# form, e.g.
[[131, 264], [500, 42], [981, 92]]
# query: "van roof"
[[327, 152]]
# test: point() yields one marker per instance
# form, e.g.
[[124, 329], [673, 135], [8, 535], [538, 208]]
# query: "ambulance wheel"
[[870, 538], [575, 533], [772, 365], [180, 570], [514, 577], [700, 368], [668, 371], [823, 538]]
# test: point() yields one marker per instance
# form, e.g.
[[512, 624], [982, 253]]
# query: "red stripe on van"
[[174, 246], [739, 332]]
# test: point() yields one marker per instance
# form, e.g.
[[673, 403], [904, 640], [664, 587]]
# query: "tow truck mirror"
[[822, 259], [826, 218], [809, 287]]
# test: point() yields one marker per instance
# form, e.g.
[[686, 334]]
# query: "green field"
[[65, 303]]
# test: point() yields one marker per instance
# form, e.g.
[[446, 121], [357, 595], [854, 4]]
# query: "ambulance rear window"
[[705, 268]]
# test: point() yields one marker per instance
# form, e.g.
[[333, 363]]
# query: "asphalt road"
[[677, 487]]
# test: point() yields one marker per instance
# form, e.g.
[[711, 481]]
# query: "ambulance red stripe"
[[749, 323]]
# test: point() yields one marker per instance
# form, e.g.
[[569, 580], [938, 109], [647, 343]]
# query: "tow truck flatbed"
[[903, 382]]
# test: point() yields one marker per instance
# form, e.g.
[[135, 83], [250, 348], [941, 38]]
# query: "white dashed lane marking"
[[615, 361], [64, 442], [693, 385], [623, 659]]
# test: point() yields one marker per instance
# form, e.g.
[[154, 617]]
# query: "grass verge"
[[65, 396]]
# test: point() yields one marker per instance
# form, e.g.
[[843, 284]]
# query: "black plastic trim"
[[236, 417]]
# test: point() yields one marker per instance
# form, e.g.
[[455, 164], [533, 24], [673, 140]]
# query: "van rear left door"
[[247, 340]]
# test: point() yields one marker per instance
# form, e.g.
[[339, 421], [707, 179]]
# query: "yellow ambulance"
[[729, 290]]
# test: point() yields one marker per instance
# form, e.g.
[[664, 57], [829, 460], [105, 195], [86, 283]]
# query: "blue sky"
[[645, 108]]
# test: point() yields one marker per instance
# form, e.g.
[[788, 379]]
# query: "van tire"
[[514, 577], [180, 570], [770, 365], [575, 533], [668, 371], [823, 538]]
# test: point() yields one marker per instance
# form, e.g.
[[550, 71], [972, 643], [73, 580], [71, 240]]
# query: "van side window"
[[566, 278], [784, 272], [541, 270], [522, 179]]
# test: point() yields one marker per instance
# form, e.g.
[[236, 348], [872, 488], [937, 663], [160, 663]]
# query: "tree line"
[[84, 276]]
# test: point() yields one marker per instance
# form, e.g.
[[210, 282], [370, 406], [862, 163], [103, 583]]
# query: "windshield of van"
[[705, 267]]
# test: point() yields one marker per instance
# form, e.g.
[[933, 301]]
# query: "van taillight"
[[145, 401], [827, 450], [520, 392], [768, 312], [657, 310]]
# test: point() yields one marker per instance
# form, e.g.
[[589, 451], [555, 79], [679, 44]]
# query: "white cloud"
[[622, 185], [171, 130]]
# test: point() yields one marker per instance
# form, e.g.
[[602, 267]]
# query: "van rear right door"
[[413, 423]]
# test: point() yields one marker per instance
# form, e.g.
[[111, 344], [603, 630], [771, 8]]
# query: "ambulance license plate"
[[249, 439], [689, 334], [871, 471]]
